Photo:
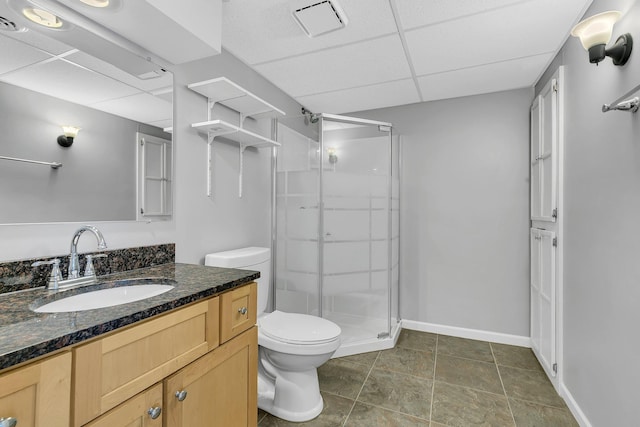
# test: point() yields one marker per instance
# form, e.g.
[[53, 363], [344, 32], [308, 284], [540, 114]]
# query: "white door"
[[544, 123], [543, 298]]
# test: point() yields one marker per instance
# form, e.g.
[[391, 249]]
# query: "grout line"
[[361, 388], [433, 381], [502, 383]]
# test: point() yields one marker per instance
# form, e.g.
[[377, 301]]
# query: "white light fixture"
[[96, 3], [42, 17], [595, 32], [333, 155], [69, 133]]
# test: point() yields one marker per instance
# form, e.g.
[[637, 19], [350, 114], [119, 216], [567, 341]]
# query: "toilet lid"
[[297, 328]]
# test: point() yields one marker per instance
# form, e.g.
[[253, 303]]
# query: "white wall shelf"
[[214, 128], [225, 92]]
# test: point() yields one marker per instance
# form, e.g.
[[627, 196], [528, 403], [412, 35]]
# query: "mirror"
[[44, 84]]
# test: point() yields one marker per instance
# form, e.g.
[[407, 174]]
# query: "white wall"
[[602, 231], [200, 225], [465, 200]]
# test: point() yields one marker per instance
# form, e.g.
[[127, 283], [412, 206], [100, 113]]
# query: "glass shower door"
[[355, 216], [297, 218]]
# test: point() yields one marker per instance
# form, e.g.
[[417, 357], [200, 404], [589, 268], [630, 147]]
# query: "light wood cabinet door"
[[110, 370], [219, 389], [142, 410], [39, 394], [238, 311]]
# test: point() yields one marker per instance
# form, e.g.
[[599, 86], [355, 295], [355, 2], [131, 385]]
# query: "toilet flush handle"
[[242, 310]]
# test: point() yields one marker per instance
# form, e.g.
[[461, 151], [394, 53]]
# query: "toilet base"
[[292, 396]]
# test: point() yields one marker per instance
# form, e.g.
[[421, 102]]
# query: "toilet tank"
[[252, 258]]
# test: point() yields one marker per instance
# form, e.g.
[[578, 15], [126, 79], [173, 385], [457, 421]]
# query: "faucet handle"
[[88, 269], [56, 274]]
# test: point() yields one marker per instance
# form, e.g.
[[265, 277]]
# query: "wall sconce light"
[[595, 32], [69, 133], [333, 156]]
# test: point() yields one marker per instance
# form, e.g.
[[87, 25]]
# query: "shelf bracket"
[[242, 148], [210, 104]]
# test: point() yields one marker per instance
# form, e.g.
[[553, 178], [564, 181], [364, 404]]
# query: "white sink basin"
[[103, 298]]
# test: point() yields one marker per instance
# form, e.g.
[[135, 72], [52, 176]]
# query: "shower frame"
[[385, 339]]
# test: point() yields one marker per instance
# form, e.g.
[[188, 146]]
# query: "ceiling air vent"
[[319, 17], [7, 25]]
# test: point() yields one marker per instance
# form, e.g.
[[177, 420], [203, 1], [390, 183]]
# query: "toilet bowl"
[[291, 345]]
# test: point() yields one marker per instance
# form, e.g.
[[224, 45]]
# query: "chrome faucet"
[[73, 257]]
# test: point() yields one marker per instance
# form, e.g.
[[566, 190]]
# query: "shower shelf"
[[233, 96]]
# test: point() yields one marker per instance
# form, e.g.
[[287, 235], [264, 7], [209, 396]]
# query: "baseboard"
[[580, 417], [474, 334]]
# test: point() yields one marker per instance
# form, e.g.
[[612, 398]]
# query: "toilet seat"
[[300, 329], [295, 333]]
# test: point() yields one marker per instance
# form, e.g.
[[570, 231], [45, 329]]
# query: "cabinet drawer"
[[237, 311], [110, 370], [38, 394], [135, 411]]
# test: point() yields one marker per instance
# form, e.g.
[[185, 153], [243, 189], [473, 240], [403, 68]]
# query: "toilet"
[[291, 346]]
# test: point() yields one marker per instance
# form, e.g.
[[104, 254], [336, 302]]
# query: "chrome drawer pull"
[[181, 395], [154, 412], [8, 422], [242, 310]]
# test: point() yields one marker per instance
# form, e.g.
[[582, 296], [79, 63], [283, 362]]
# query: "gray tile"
[[407, 361], [341, 377], [261, 414], [398, 392], [462, 347], [334, 414], [516, 357], [416, 340], [529, 414], [370, 416], [463, 407], [533, 386], [362, 358], [469, 373]]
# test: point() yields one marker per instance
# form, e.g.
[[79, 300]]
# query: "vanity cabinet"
[[38, 394], [176, 365]]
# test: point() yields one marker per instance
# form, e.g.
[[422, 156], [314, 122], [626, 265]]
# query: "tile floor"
[[436, 380]]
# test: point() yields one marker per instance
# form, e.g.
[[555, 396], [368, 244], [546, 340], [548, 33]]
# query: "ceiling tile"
[[140, 107], [66, 81], [360, 64], [116, 73], [261, 31], [383, 95], [502, 34], [484, 79], [418, 13], [16, 55]]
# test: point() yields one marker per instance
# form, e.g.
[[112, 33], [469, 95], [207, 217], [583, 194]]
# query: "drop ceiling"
[[395, 52]]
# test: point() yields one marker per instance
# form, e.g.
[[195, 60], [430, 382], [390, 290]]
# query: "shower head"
[[313, 118]]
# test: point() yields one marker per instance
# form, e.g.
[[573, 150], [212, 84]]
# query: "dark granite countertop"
[[25, 335]]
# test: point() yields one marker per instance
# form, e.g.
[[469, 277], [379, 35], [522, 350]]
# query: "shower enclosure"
[[337, 228]]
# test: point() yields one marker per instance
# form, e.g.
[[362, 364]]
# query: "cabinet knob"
[[242, 310], [181, 395], [8, 422], [154, 412]]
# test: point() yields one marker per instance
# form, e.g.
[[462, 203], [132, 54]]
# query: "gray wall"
[[223, 221], [602, 231], [465, 200]]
